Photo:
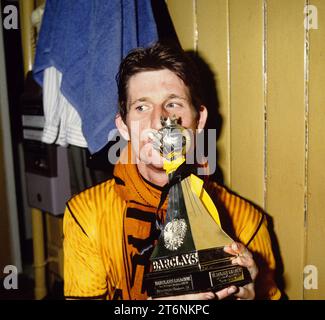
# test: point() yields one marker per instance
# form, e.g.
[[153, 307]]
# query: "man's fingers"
[[237, 248], [190, 296], [243, 257], [229, 250], [244, 261], [224, 293], [197, 296], [246, 293], [247, 262]]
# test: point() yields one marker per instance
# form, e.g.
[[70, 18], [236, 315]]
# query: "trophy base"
[[196, 271]]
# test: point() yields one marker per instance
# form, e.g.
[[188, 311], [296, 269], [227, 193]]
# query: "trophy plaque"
[[189, 255]]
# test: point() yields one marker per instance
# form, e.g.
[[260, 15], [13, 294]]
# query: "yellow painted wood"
[[27, 33], [242, 140], [183, 16], [54, 243], [212, 26], [247, 99], [286, 134], [54, 248], [316, 154], [40, 289], [54, 229]]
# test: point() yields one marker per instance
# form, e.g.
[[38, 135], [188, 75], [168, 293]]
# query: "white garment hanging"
[[62, 121]]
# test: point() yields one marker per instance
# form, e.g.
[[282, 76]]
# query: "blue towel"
[[44, 43], [86, 41]]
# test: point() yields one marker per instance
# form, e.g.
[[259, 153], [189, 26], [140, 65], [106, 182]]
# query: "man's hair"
[[154, 58]]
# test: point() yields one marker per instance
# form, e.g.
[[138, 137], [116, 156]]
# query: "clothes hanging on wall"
[[62, 121], [85, 42]]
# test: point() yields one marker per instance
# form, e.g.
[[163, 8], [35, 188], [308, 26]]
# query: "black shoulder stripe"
[[75, 219], [258, 228], [141, 204], [119, 181]]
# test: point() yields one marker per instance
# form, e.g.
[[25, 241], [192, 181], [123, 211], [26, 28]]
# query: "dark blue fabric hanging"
[[86, 41]]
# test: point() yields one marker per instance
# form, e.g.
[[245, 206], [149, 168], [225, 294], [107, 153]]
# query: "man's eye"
[[172, 105], [141, 108]]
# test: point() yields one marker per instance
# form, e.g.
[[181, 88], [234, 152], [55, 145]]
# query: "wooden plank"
[[5, 239], [316, 154], [9, 229], [182, 13], [247, 99], [212, 25], [286, 135]]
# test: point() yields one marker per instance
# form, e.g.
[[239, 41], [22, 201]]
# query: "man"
[[108, 228]]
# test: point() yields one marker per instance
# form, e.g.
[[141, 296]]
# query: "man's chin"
[[156, 165], [152, 158]]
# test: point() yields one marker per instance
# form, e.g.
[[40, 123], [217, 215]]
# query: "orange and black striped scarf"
[[139, 226]]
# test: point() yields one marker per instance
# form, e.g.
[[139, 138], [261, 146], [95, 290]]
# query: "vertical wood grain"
[[286, 135], [5, 239], [247, 98], [213, 47], [316, 154], [183, 16], [272, 102]]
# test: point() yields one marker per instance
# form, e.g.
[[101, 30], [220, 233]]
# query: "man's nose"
[[156, 116]]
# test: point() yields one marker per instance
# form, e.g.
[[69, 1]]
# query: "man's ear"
[[202, 118], [122, 127]]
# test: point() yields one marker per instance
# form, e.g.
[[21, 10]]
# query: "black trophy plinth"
[[197, 271]]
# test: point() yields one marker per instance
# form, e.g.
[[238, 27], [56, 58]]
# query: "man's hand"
[[190, 296], [244, 258]]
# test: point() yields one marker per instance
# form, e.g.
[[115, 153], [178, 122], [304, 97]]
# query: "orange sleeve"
[[261, 247], [84, 272], [247, 222]]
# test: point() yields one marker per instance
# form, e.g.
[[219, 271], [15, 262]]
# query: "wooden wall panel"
[[213, 47], [9, 233], [271, 94], [183, 15], [247, 98], [316, 154], [5, 237], [286, 134]]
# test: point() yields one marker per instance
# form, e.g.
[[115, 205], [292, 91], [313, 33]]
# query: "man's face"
[[152, 95]]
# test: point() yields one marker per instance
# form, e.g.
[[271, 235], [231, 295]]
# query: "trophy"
[[189, 255]]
